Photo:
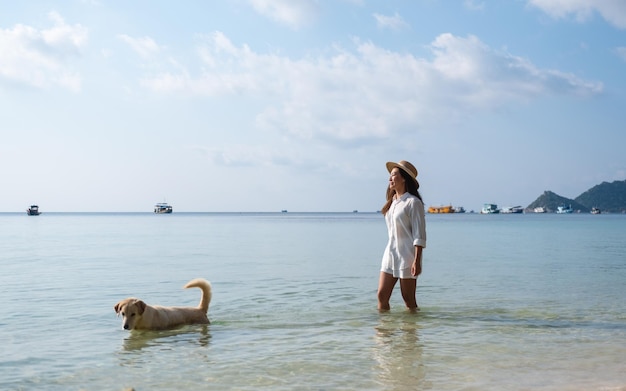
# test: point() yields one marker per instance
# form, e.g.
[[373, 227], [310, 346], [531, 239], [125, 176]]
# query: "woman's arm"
[[416, 268]]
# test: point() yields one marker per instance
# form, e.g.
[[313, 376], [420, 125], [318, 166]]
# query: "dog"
[[138, 315]]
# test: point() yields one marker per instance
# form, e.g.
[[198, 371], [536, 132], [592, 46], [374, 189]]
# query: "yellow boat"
[[441, 209]]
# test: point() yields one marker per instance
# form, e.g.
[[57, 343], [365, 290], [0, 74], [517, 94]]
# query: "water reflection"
[[398, 352], [138, 340]]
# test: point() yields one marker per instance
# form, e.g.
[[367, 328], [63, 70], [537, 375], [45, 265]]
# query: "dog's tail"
[[206, 292]]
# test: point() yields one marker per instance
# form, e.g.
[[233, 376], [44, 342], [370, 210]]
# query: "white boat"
[[595, 211], [512, 209], [539, 209], [489, 209], [33, 210], [162, 207], [564, 209], [459, 209]]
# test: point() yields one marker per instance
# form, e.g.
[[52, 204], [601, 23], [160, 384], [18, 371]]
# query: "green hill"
[[608, 197], [550, 201]]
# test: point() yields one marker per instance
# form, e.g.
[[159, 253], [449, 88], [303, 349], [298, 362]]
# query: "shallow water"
[[516, 302]]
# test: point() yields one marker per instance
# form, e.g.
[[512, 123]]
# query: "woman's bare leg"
[[385, 288], [408, 287]]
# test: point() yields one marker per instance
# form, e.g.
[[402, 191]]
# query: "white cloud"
[[292, 13], [242, 155], [485, 77], [369, 93], [64, 35], [621, 52], [39, 58], [144, 47], [474, 5], [613, 11], [395, 22]]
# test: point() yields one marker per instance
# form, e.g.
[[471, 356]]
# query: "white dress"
[[406, 227]]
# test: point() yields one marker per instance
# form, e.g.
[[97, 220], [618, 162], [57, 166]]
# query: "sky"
[[270, 105]]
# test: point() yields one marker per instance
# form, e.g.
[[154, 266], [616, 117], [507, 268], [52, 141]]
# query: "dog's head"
[[131, 310]]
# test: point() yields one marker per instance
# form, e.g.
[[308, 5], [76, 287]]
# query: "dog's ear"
[[141, 306], [120, 305]]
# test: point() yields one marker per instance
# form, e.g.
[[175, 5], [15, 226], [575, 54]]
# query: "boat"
[[459, 209], [441, 209], [512, 209], [564, 209], [162, 207], [595, 211], [490, 209], [539, 209], [33, 210]]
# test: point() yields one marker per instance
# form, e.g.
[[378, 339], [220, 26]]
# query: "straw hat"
[[406, 167]]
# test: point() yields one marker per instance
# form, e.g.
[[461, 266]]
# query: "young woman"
[[406, 226]]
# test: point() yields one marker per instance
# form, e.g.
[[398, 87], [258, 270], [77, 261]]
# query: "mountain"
[[608, 197], [550, 201]]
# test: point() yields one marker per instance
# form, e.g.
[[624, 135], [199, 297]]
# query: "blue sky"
[[264, 105]]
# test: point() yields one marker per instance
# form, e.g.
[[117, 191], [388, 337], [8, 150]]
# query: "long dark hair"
[[412, 187]]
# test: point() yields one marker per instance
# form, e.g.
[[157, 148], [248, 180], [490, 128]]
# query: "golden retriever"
[[138, 315]]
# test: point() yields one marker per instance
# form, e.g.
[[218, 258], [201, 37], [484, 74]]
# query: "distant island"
[[608, 197]]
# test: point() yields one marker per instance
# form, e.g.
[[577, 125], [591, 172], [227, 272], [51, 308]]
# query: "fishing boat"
[[595, 211], [459, 209], [441, 209], [162, 207], [512, 209], [33, 210], [564, 209], [490, 209]]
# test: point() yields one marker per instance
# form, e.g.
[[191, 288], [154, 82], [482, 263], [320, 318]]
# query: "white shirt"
[[406, 227]]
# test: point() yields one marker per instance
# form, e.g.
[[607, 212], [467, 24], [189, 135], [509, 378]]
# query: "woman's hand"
[[416, 268]]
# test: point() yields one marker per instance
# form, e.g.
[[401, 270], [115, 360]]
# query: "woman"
[[404, 215]]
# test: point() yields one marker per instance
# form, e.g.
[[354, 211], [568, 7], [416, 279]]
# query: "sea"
[[508, 302]]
